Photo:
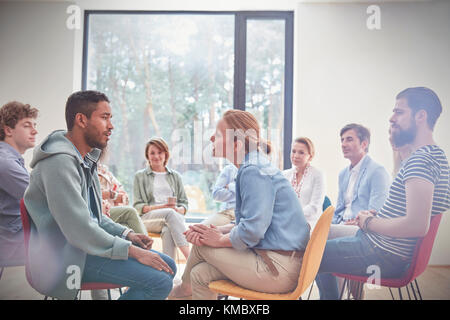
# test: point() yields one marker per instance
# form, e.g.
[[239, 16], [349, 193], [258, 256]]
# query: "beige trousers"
[[243, 267], [220, 218]]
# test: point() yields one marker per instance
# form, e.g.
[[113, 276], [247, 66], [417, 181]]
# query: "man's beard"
[[91, 140], [402, 137]]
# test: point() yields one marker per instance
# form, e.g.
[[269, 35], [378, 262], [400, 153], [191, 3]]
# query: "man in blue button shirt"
[[17, 134], [224, 190]]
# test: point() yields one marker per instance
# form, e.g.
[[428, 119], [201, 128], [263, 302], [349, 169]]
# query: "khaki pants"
[[243, 267], [220, 218], [128, 217]]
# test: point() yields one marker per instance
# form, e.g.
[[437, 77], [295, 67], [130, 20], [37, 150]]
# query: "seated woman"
[[224, 190], [115, 206], [307, 181], [263, 251], [115, 200], [155, 188]]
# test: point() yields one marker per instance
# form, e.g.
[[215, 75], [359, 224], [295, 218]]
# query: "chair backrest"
[[326, 203], [422, 252], [313, 253], [25, 217]]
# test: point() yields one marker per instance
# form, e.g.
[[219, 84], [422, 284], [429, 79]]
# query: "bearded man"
[[71, 242], [387, 238]]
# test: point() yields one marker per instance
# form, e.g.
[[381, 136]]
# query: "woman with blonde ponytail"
[[262, 251]]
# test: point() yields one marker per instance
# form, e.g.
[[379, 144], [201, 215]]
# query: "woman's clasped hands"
[[202, 235]]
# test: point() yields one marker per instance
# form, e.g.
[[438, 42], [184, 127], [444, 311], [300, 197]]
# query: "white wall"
[[348, 73], [343, 72], [36, 60]]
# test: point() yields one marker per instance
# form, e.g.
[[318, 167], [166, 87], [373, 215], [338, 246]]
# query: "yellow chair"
[[196, 198], [310, 266], [158, 235]]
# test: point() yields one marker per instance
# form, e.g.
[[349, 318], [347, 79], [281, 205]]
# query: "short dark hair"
[[362, 132], [84, 102], [421, 98], [13, 112]]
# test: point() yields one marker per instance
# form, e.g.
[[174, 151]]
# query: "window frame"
[[240, 62]]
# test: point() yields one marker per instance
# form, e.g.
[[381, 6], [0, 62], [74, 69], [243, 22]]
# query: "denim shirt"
[[268, 214], [226, 195]]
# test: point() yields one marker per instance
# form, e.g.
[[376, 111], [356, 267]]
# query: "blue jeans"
[[353, 255], [145, 283]]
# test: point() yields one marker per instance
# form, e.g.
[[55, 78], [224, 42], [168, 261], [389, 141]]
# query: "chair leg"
[[310, 290], [418, 290], [357, 291], [413, 291], [120, 291], [348, 289], [45, 297], [1, 272], [177, 258], [342, 290], [109, 294], [361, 291], [407, 290], [400, 293], [392, 295]]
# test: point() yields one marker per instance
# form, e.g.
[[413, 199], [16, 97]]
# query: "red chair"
[[84, 286], [419, 263]]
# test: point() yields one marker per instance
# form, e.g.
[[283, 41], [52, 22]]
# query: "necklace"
[[297, 185]]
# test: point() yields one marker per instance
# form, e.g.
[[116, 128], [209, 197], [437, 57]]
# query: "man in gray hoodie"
[[71, 242]]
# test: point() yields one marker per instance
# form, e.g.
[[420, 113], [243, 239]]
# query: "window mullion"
[[240, 51]]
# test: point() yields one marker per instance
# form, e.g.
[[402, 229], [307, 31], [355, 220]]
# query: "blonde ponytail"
[[244, 121]]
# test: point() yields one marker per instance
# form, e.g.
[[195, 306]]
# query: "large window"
[[174, 74]]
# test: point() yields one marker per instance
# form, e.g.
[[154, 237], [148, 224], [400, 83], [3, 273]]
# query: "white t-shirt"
[[348, 197], [161, 188]]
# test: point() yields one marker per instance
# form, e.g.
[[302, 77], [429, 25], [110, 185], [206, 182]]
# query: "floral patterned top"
[[109, 183]]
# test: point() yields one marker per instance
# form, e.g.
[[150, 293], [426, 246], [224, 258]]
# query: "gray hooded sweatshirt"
[[63, 230]]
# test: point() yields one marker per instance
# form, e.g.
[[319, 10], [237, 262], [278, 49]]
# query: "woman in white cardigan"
[[307, 181]]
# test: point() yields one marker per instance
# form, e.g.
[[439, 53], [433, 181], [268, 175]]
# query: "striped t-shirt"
[[428, 163]]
